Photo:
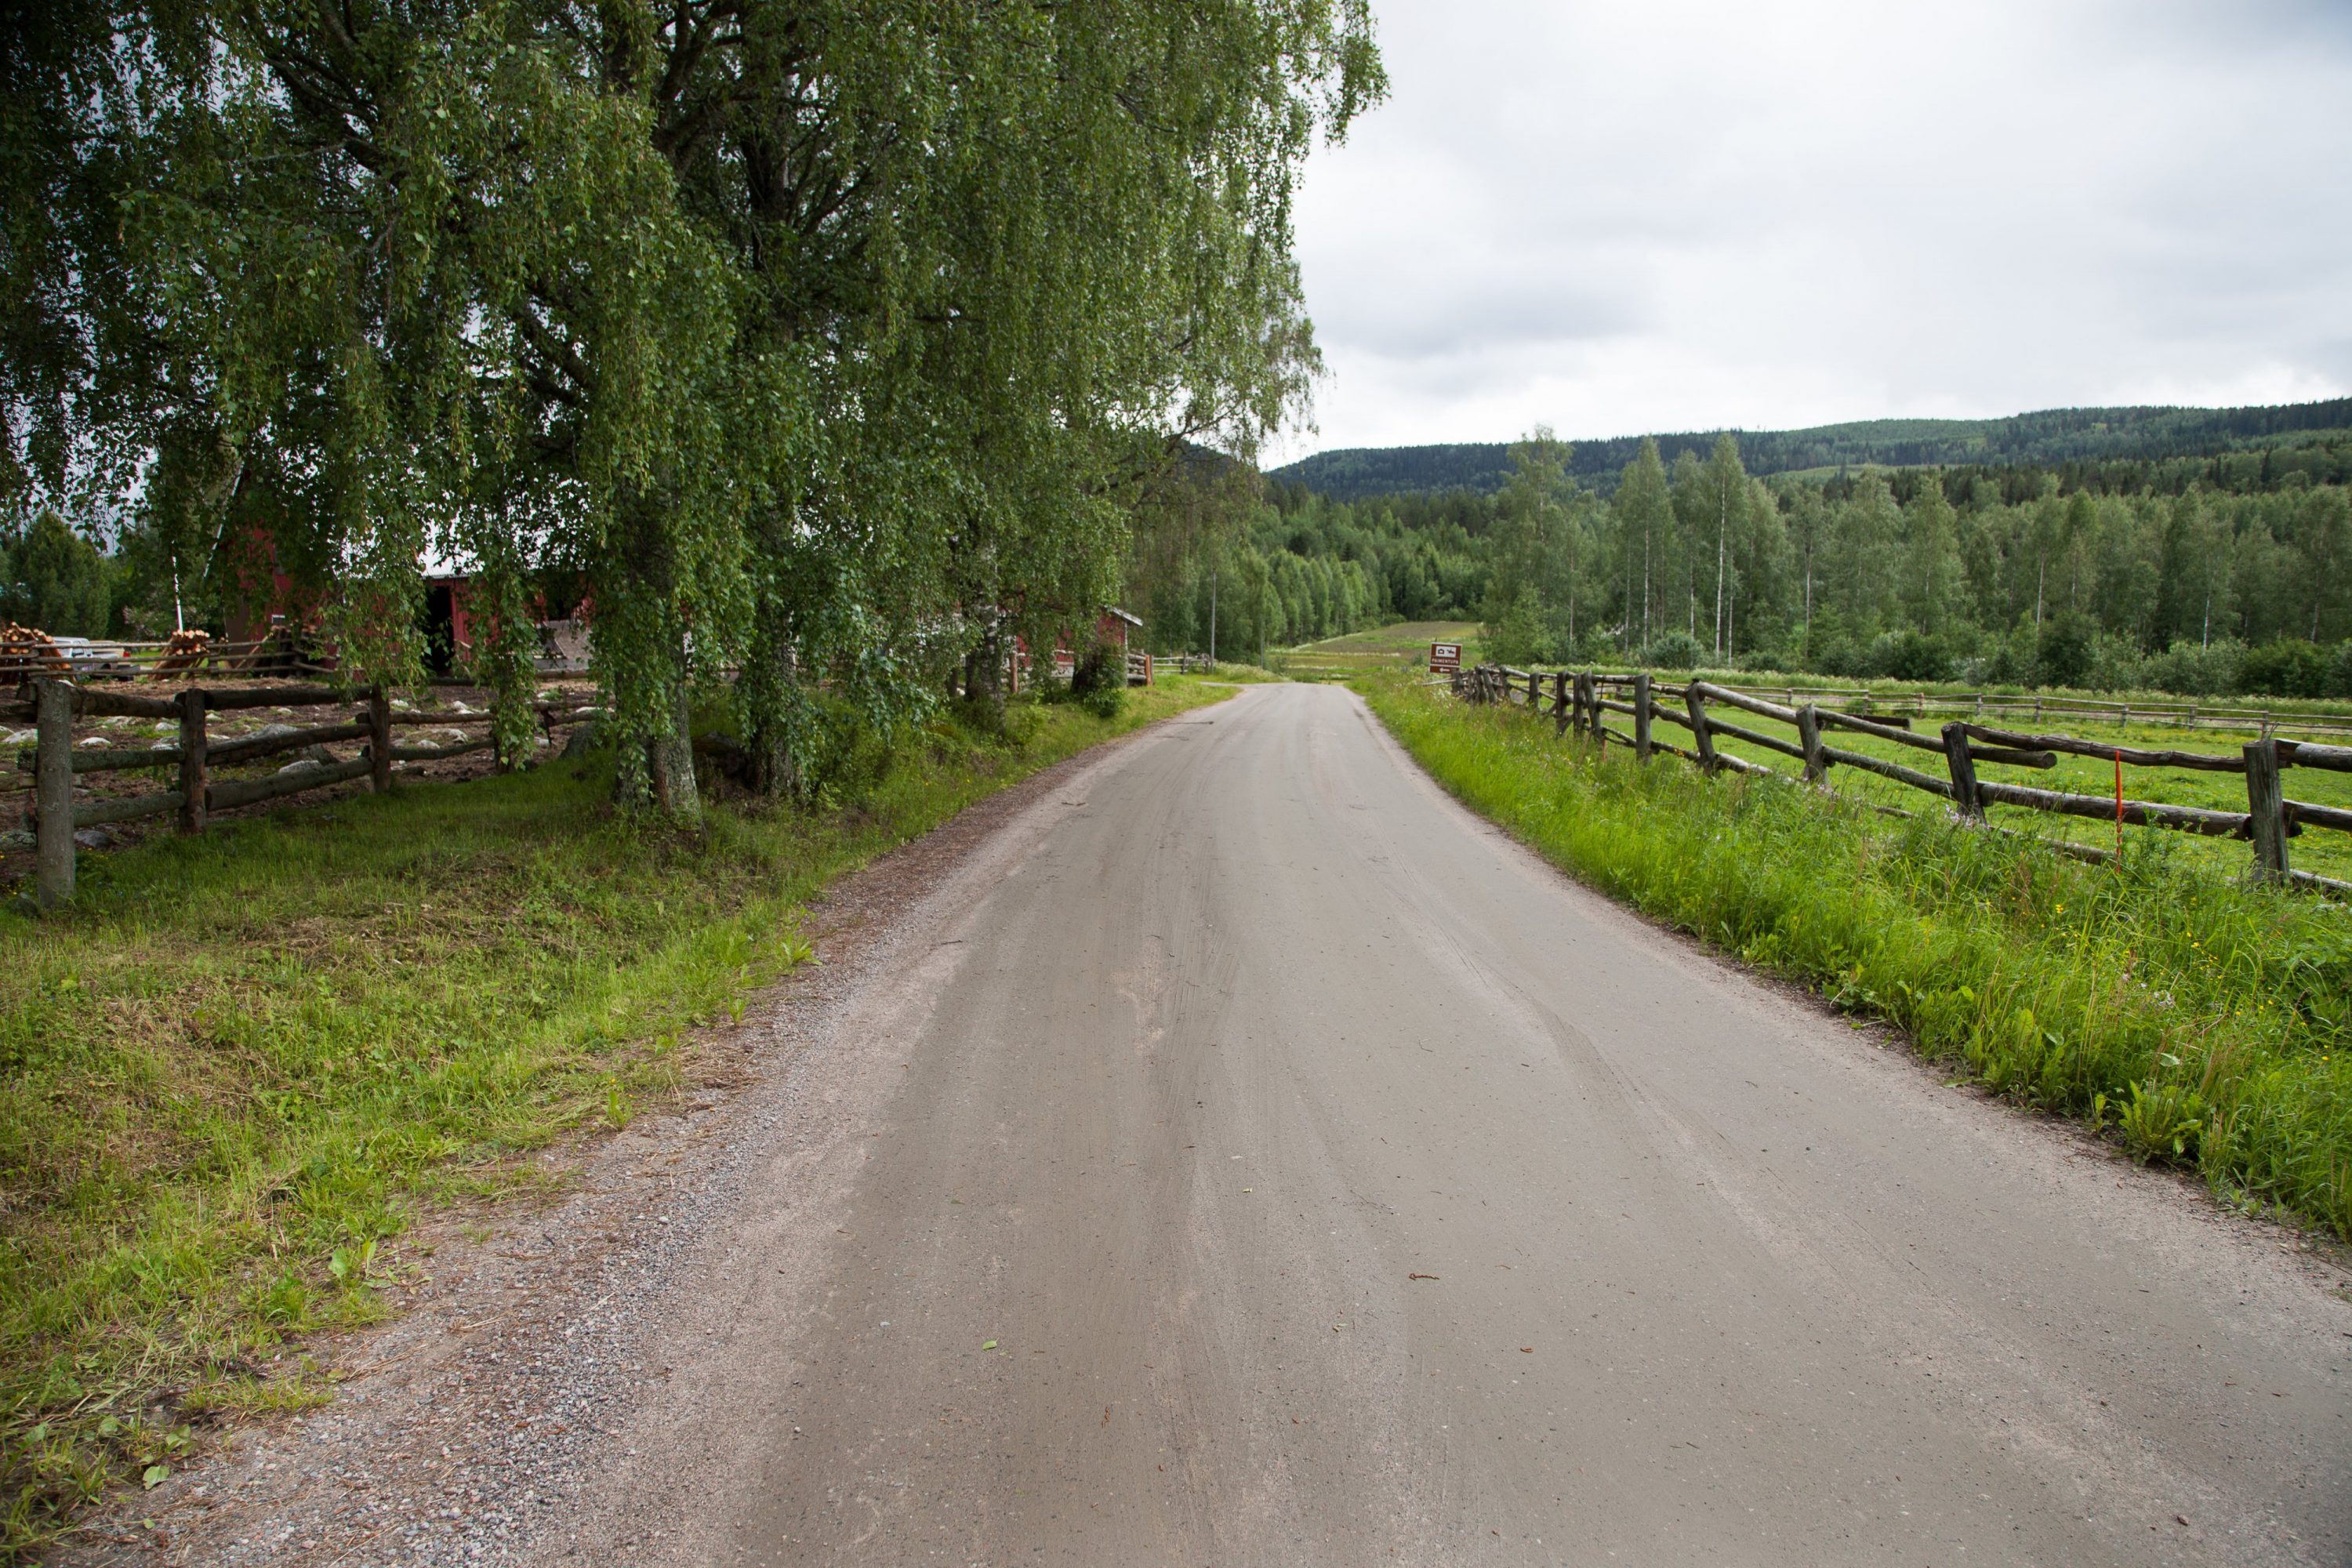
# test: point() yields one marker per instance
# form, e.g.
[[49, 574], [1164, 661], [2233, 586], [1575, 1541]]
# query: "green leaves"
[[819, 340]]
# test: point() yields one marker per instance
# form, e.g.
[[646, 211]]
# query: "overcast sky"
[[1669, 215]]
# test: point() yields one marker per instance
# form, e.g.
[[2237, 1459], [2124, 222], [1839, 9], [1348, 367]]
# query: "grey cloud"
[[1685, 213]]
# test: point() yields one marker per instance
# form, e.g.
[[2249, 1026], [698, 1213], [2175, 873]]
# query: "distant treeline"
[[2203, 575], [2120, 448]]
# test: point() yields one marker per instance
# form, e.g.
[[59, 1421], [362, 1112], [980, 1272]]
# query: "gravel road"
[[1235, 1153]]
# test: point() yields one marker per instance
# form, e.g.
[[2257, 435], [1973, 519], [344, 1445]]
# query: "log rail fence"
[[53, 704], [1582, 703], [2037, 708]]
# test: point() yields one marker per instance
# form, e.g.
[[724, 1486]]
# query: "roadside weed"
[[2193, 1018]]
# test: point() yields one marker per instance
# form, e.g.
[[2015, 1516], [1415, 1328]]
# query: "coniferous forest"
[[2205, 552]]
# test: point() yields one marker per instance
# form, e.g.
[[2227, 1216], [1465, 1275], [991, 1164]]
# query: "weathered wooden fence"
[[56, 762], [2038, 707], [1581, 702]]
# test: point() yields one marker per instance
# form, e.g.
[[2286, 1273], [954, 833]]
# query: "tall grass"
[[240, 1062], [2193, 1018]]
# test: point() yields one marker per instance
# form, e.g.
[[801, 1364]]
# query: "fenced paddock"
[[72, 778], [1824, 742]]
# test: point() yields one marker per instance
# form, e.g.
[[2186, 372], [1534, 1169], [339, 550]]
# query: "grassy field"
[[1403, 644], [240, 1063], [2322, 850], [2191, 1017]]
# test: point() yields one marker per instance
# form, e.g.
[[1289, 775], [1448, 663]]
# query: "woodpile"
[[25, 652], [184, 653]]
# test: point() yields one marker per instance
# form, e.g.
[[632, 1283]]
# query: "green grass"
[[2323, 850], [241, 1063], [1403, 645], [2191, 1017], [1404, 636]]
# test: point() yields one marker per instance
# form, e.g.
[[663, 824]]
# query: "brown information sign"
[[1444, 657]]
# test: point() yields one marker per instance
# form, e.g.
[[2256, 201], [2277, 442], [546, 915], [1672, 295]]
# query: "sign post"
[[1446, 658]]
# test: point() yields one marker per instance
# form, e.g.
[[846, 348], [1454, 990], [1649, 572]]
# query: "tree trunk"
[[669, 760], [984, 673], [769, 698], [1722, 523]]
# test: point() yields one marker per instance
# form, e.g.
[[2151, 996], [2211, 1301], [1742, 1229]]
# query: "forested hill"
[[2051, 439]]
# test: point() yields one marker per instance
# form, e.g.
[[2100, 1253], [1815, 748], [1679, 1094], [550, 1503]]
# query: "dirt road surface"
[[1243, 1156]]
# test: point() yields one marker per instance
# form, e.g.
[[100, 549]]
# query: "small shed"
[[1119, 630]]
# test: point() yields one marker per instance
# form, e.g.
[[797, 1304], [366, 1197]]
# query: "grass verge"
[[2193, 1018], [242, 1062]]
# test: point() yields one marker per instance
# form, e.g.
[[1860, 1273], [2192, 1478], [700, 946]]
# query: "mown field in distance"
[[240, 1063], [1402, 645], [2189, 1016]]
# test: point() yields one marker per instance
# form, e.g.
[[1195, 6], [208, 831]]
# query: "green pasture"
[[2320, 850], [1404, 645]]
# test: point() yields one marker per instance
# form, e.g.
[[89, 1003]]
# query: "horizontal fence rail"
[[1576, 705], [55, 761], [1997, 707], [29, 655]]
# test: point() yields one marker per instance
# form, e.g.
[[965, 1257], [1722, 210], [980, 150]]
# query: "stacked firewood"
[[25, 652], [183, 654]]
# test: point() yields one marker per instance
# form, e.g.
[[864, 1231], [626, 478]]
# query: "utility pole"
[[1213, 615]]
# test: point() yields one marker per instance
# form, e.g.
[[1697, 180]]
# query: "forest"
[[2312, 437], [2199, 575]]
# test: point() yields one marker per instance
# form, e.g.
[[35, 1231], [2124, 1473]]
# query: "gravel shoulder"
[[489, 1407]]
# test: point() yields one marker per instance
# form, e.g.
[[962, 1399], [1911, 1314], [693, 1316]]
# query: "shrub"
[[2193, 670], [2288, 667], [1092, 671], [1675, 650], [1913, 656], [2067, 650], [1521, 638], [1098, 680]]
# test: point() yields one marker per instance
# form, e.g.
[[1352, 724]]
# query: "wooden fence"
[[55, 761], [2039, 708], [1582, 702]]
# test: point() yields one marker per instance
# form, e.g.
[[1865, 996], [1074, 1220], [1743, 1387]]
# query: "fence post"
[[1808, 731], [1641, 716], [1561, 717], [53, 852], [1963, 766], [1697, 706], [2266, 803], [379, 739], [1535, 692], [194, 775]]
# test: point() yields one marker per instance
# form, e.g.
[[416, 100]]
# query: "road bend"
[[1260, 1161]]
